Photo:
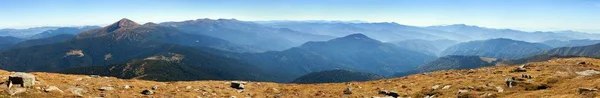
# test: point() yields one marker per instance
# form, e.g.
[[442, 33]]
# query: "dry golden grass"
[[558, 74]]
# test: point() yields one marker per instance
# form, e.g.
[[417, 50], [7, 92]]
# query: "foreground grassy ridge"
[[559, 75]]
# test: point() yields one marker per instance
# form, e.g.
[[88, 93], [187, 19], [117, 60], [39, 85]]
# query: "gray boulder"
[[348, 91], [24, 79], [147, 92], [237, 84]]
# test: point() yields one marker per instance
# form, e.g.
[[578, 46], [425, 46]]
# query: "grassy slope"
[[559, 74]]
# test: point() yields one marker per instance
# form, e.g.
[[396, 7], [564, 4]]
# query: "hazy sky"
[[529, 15]]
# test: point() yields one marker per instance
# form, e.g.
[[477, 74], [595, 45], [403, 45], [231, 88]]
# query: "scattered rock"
[[126, 87], [79, 79], [463, 93], [471, 71], [237, 84], [94, 76], [526, 76], [510, 82], [447, 87], [500, 89], [188, 87], [488, 95], [435, 87], [106, 88], [498, 72], [24, 79], [348, 91], [429, 96], [15, 91], [581, 63], [147, 92], [52, 88], [519, 69], [588, 72], [76, 91], [586, 90], [389, 93], [155, 87]]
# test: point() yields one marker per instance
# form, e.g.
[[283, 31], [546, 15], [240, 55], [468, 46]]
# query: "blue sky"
[[528, 15]]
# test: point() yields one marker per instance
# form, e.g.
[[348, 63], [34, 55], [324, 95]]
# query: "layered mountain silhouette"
[[61, 31], [496, 48], [25, 33], [8, 41], [482, 33], [117, 43], [44, 41], [588, 51], [384, 31], [336, 76], [298, 52], [570, 43], [247, 33], [434, 47], [354, 52]]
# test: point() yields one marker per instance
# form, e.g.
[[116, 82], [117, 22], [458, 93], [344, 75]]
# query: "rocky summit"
[[564, 77]]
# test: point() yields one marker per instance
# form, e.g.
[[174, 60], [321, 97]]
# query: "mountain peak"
[[123, 23], [356, 36]]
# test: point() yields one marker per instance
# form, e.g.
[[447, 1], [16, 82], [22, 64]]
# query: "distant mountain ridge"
[[483, 33], [24, 33], [126, 40], [353, 52], [247, 33], [434, 47], [589, 51], [570, 43], [496, 48], [62, 30]]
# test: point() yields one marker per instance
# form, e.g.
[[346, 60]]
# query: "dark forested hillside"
[[336, 76], [8, 41]]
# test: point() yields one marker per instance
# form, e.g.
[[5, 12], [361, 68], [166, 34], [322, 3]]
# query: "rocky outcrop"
[[23, 79]]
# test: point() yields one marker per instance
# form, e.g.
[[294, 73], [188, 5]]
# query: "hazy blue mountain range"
[[482, 33], [62, 30], [496, 48], [8, 41], [434, 47], [570, 43], [354, 52], [117, 43], [24, 33], [247, 33], [43, 41], [384, 31], [280, 51]]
